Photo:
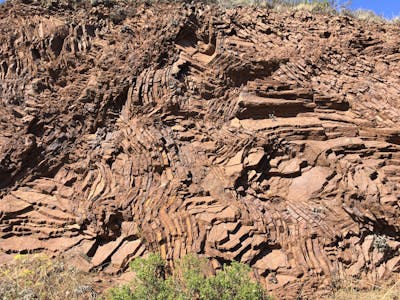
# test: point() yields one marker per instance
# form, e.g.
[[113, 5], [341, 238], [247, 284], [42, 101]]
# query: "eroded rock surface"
[[244, 134]]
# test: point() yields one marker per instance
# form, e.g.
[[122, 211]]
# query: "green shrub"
[[191, 279]]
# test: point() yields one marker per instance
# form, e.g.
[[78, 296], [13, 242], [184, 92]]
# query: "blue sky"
[[386, 8]]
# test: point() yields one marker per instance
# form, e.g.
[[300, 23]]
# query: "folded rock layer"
[[238, 134]]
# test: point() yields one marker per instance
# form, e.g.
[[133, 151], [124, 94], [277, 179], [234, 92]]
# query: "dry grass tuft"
[[325, 7], [316, 6], [368, 16], [39, 277], [353, 290]]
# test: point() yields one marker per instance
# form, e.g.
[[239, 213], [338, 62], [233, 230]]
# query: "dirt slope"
[[244, 134]]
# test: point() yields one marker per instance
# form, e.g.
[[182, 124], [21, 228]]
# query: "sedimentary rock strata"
[[239, 134]]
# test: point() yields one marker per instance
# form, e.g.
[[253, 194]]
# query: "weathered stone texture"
[[267, 138]]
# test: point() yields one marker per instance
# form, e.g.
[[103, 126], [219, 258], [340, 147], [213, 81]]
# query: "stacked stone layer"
[[242, 134]]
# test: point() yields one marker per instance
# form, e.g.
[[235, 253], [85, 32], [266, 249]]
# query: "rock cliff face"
[[243, 134]]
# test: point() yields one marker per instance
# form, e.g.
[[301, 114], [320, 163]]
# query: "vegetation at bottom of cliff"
[[357, 289], [191, 278], [39, 277]]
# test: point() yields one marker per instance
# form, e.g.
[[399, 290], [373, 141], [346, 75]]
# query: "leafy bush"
[[191, 279], [39, 277]]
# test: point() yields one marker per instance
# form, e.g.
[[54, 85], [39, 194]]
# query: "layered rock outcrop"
[[240, 134]]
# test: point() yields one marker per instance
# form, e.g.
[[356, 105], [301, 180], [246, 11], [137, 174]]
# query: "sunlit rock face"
[[240, 134]]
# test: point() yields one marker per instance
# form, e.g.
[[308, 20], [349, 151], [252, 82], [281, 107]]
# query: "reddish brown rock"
[[239, 134]]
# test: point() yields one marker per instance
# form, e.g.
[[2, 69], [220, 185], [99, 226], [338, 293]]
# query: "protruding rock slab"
[[239, 134]]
